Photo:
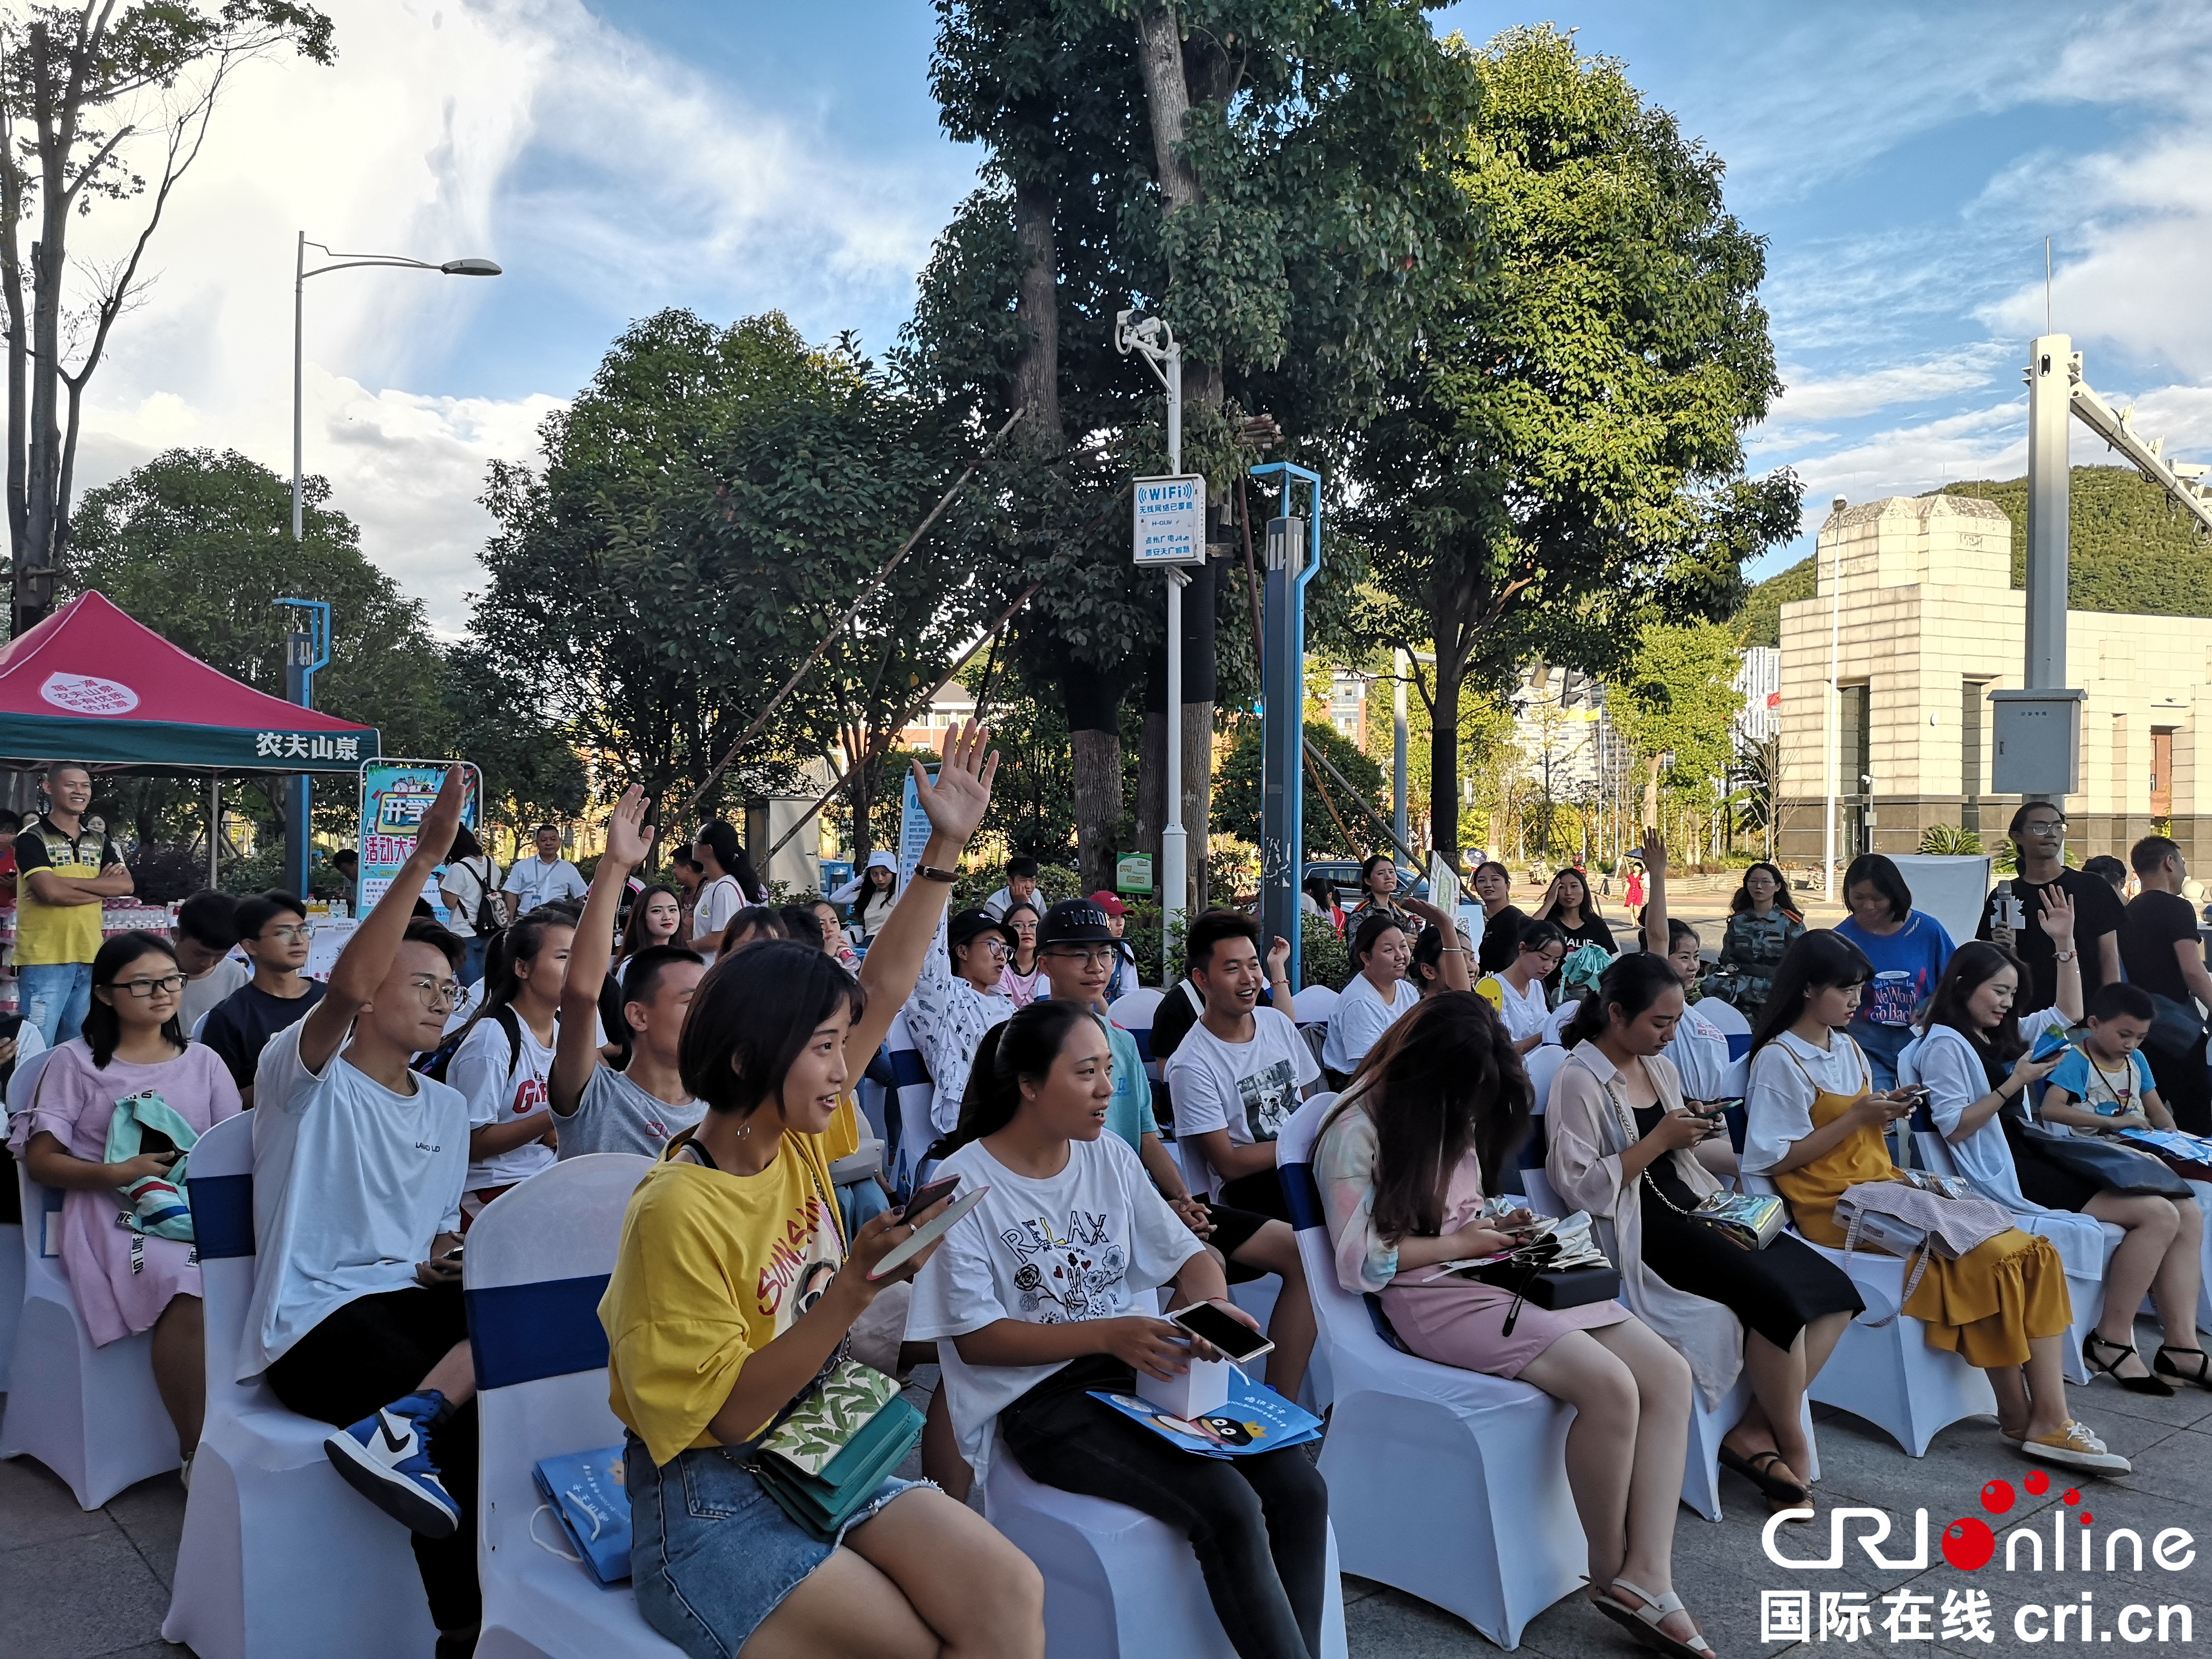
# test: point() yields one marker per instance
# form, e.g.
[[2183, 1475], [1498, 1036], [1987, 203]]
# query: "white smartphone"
[[1234, 1338]]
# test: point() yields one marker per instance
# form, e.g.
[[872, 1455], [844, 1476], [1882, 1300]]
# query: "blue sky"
[[1905, 163]]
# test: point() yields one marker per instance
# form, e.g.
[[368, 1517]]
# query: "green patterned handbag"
[[827, 1458]]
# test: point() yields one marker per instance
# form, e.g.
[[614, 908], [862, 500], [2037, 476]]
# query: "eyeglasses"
[[1102, 957], [285, 935], [143, 988], [436, 993], [2044, 827], [996, 947]]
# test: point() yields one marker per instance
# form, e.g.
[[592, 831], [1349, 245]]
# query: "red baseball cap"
[[1109, 904]]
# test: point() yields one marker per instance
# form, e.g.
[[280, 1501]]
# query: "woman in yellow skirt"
[[1814, 1128]]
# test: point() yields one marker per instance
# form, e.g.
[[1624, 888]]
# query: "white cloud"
[[529, 131], [1844, 397]]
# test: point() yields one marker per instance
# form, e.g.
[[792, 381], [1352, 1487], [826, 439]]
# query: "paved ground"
[[74, 1585]]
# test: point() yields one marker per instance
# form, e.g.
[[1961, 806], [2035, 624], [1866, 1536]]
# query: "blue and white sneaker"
[[386, 1458]]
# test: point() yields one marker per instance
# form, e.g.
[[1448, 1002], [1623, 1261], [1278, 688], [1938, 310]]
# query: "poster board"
[[1953, 889], [914, 828], [395, 793]]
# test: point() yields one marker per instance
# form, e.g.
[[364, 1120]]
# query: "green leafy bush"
[[1950, 841]]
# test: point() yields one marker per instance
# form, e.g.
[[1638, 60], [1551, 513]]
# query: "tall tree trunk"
[[1443, 755], [1651, 792], [1093, 699], [1152, 815], [1037, 307]]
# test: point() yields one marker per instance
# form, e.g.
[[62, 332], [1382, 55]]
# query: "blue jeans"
[[54, 996], [472, 958], [711, 1555]]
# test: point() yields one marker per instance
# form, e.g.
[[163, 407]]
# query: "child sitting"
[[2103, 1082]]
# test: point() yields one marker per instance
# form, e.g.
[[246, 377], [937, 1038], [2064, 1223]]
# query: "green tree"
[[195, 545], [1561, 457], [102, 109], [1674, 704], [1238, 798]]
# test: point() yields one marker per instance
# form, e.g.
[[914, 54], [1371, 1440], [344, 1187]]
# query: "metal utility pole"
[[1293, 560], [2051, 369], [307, 650], [1155, 342], [346, 262], [1401, 666], [1831, 715]]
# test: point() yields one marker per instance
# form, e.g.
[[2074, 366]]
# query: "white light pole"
[[1831, 718], [1155, 342], [346, 262]]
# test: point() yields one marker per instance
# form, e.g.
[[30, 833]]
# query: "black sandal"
[[2122, 1352], [2201, 1376], [1756, 1469]]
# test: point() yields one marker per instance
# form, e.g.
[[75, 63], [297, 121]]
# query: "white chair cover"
[[539, 1261], [1451, 1485], [1311, 1005], [267, 1514]]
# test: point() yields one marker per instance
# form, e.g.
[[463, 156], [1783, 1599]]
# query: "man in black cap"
[[1078, 950], [955, 1000]]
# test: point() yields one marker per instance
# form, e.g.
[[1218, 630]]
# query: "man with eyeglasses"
[[2038, 831], [955, 1001], [272, 931]]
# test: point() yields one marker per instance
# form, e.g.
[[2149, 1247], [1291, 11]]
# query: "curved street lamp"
[[471, 267]]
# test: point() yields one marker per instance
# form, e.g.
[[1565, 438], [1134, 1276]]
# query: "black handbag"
[[2106, 1163], [2176, 1028], [1530, 1273]]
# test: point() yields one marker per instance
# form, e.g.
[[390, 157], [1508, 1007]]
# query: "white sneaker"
[[2074, 1448]]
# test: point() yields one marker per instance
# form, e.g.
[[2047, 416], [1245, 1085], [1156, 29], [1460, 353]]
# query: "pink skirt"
[[1457, 1322]]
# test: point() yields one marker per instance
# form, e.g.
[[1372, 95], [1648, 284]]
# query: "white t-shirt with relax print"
[[501, 1090], [1077, 1246]]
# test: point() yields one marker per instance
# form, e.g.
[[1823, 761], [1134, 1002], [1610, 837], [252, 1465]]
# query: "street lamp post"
[[347, 262], [300, 667], [1155, 342]]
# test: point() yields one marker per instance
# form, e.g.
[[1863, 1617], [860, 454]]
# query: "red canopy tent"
[[88, 683]]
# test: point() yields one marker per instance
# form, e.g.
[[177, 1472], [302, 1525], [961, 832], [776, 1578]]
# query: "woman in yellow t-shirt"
[[734, 1291]]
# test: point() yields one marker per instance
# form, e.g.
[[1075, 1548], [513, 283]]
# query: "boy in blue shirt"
[[2104, 1084]]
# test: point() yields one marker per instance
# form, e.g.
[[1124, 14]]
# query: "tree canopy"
[[1560, 462]]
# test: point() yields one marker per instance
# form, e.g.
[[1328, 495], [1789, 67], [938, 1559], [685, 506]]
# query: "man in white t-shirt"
[[546, 880], [1020, 889], [1237, 1075], [641, 1107], [358, 1163]]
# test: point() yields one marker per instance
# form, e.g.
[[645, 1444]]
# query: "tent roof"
[[90, 683]]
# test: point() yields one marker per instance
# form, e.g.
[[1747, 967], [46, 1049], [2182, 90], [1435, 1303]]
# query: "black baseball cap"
[[1076, 921], [966, 925]]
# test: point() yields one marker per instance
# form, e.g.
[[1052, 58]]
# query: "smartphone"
[[932, 1194], [2047, 1043], [453, 1255], [1232, 1337]]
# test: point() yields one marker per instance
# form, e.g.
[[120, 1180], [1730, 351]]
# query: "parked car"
[[1343, 874]]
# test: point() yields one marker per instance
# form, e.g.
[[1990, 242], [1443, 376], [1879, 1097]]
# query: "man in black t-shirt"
[[2159, 946], [2039, 833], [272, 931]]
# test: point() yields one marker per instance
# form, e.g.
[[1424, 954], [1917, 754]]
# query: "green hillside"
[[2128, 551]]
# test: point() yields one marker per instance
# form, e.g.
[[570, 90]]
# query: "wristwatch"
[[2066, 956], [931, 873]]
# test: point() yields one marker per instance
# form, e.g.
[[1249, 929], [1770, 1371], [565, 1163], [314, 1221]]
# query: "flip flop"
[[1643, 1623], [1756, 1469]]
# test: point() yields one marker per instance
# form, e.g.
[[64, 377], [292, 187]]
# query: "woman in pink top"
[[133, 1050]]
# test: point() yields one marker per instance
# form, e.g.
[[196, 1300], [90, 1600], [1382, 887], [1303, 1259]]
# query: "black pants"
[[377, 1349], [2184, 1087], [1259, 1525]]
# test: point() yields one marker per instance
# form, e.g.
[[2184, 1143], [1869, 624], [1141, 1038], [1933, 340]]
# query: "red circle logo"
[[1997, 1497], [1967, 1543]]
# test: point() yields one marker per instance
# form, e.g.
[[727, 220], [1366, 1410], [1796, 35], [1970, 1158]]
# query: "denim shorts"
[[711, 1555]]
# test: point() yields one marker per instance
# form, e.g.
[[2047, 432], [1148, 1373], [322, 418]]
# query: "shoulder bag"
[[2095, 1159], [828, 1456], [1558, 1265], [1748, 1221], [1906, 1218], [2175, 1027]]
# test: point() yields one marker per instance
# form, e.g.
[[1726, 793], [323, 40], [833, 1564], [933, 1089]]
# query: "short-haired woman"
[[1907, 949], [1517, 991]]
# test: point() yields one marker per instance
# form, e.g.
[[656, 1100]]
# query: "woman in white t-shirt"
[[1383, 989], [870, 894], [728, 886], [1517, 993], [506, 1057], [1032, 1300]]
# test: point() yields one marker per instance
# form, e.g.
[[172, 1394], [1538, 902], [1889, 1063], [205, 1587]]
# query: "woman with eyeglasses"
[[2038, 832], [1024, 979], [112, 1112]]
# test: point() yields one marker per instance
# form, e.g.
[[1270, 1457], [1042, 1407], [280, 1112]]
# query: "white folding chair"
[[539, 1261], [1730, 1020], [1701, 1465], [90, 1414], [1117, 1583], [267, 1514], [12, 1246], [2203, 1191], [1451, 1485], [1555, 1023], [1542, 1063], [1886, 1373], [1311, 1005]]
